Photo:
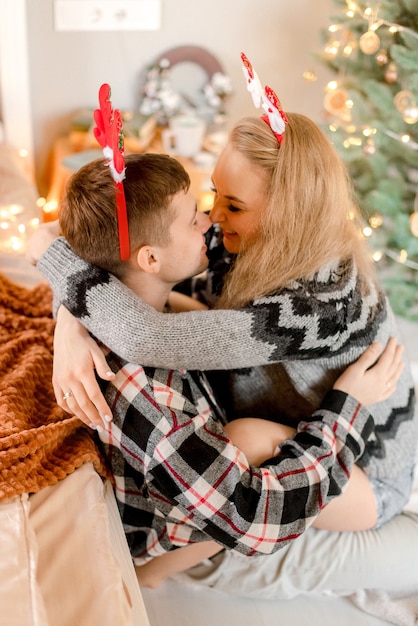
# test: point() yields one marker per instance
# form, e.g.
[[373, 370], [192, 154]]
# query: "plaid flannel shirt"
[[179, 479]]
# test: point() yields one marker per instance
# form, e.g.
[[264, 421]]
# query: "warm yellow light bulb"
[[403, 256], [310, 76], [376, 221], [15, 209], [50, 206], [331, 50], [206, 201], [16, 243]]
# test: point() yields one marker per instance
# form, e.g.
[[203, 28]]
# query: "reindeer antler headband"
[[275, 117], [108, 132]]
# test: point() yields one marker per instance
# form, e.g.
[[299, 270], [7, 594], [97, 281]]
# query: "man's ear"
[[148, 259]]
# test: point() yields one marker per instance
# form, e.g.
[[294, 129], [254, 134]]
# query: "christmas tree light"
[[372, 113]]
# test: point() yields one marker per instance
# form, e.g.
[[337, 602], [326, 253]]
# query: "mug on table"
[[184, 136]]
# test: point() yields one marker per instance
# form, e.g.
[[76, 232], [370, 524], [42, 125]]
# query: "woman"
[[301, 303]]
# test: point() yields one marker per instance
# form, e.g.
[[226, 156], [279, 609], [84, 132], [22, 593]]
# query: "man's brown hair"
[[88, 218]]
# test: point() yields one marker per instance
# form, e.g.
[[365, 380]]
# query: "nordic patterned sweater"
[[287, 348]]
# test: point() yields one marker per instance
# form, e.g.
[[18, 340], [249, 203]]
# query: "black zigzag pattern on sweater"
[[309, 324], [82, 282], [375, 447]]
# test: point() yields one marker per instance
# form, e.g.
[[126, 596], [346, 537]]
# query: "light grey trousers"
[[385, 559]]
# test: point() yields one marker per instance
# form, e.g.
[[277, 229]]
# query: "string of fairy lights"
[[376, 39], [15, 225]]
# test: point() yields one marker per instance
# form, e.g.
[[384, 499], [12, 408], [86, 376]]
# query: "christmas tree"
[[372, 115]]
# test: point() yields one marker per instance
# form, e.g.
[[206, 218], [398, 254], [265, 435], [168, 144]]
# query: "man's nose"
[[204, 222]]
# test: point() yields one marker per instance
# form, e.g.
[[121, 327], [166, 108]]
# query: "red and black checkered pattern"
[[179, 479]]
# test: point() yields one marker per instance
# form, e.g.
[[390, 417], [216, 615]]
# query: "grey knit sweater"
[[286, 349]]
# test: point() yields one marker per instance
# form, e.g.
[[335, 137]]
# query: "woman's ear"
[[148, 259]]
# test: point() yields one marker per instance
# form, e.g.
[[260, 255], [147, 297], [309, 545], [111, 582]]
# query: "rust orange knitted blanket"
[[40, 444]]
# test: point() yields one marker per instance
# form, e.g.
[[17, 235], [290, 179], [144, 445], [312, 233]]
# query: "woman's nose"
[[216, 214]]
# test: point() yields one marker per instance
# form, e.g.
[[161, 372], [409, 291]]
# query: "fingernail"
[[107, 418], [110, 374], [92, 426], [100, 429]]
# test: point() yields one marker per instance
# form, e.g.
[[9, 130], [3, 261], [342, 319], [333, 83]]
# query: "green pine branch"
[[382, 162]]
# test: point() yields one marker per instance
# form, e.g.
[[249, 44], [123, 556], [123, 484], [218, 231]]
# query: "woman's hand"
[[370, 380], [76, 356], [40, 241]]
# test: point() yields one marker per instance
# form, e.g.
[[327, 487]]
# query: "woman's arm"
[[289, 325], [40, 240]]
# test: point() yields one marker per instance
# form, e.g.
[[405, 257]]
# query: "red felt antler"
[[266, 98], [108, 132]]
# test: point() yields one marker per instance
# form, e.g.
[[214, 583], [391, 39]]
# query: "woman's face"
[[239, 197]]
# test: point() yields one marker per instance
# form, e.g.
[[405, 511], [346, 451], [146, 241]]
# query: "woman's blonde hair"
[[310, 218]]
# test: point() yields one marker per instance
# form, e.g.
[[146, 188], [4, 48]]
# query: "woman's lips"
[[228, 235]]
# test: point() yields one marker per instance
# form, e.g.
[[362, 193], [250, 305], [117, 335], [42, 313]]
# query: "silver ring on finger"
[[67, 395]]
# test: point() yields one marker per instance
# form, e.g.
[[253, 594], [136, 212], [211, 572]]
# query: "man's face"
[[185, 255]]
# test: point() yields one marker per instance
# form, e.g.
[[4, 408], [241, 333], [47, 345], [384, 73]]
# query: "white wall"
[[66, 68], [15, 100]]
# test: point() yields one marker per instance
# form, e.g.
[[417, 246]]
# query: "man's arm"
[[207, 480]]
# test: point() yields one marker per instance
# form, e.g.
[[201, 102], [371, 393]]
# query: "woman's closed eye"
[[231, 207]]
